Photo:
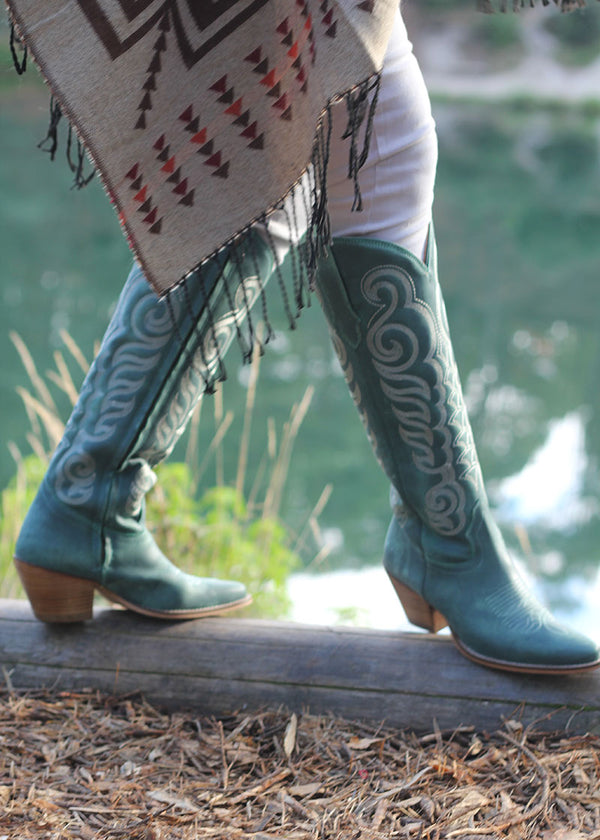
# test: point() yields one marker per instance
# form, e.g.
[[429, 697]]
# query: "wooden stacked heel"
[[54, 596], [417, 610]]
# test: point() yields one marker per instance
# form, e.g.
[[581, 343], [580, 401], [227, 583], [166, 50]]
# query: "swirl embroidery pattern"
[[139, 344], [202, 369], [133, 347], [408, 341]]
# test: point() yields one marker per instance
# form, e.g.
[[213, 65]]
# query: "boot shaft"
[[390, 330], [156, 360]]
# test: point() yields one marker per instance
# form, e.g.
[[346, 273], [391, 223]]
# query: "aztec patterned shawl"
[[200, 116]]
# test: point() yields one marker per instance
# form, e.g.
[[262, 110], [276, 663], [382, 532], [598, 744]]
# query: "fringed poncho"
[[201, 117]]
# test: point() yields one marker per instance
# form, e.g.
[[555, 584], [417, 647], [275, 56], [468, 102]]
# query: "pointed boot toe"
[[444, 555], [85, 530]]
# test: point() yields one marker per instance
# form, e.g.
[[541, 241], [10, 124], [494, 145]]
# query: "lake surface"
[[517, 220]]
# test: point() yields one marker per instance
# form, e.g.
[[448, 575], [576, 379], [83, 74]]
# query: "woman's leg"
[[397, 179], [85, 529], [379, 290]]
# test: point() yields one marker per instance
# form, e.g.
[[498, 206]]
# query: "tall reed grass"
[[231, 527]]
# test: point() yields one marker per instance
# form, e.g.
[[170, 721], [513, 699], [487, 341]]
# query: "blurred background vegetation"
[[517, 214]]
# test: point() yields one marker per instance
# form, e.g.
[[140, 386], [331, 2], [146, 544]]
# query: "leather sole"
[[423, 615], [522, 668], [57, 598]]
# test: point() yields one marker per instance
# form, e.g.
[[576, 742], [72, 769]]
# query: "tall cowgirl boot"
[[443, 553], [85, 530]]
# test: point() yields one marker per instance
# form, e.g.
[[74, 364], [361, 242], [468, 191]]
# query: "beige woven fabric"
[[199, 116]]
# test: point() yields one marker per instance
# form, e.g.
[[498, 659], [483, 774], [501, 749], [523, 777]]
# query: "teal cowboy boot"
[[85, 530], [444, 554]]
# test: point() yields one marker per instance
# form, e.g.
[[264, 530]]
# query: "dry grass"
[[82, 765]]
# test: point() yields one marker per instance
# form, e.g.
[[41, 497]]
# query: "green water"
[[517, 220]]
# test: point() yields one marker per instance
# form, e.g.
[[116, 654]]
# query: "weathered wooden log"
[[218, 665]]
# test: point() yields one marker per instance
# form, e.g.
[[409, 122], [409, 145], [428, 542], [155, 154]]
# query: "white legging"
[[397, 179]]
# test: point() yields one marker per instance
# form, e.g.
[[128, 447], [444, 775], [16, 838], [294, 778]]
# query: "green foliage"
[[579, 29], [496, 32], [211, 532], [14, 503], [578, 35], [215, 536]]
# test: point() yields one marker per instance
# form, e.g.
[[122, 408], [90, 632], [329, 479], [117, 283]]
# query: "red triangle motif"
[[169, 165], [187, 115], [157, 227], [151, 217], [137, 184], [220, 86], [269, 79], [146, 206], [328, 18], [236, 108], [254, 56], [133, 171], [289, 39], [332, 31], [159, 143], [141, 196], [275, 91], [287, 114], [250, 132], [293, 51], [214, 160], [308, 24], [282, 102], [199, 138], [301, 77], [181, 188], [164, 155], [284, 27]]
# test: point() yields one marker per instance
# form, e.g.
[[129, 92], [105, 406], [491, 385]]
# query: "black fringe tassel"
[[75, 150], [215, 300], [357, 103], [489, 6], [15, 43], [200, 329], [50, 142]]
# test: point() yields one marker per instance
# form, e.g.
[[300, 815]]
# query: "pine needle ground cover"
[[91, 767]]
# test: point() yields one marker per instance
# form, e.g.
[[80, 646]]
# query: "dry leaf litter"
[[83, 766]]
